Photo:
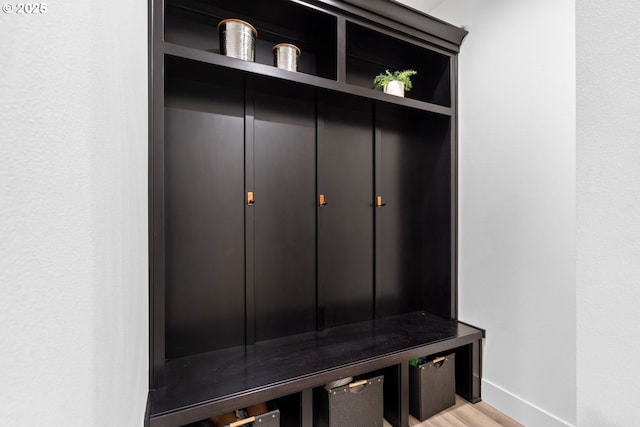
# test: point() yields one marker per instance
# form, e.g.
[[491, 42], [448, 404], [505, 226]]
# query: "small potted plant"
[[394, 83]]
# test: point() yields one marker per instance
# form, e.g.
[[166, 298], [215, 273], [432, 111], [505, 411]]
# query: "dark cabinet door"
[[345, 222], [284, 213], [204, 151]]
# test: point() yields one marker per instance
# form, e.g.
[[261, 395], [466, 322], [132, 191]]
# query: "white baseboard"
[[524, 412]]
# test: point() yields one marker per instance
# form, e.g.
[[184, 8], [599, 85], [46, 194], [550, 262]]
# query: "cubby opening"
[[290, 407], [286, 411], [371, 52], [413, 240], [193, 23]]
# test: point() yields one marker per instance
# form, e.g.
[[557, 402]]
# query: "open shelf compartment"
[[194, 58], [371, 52], [193, 23]]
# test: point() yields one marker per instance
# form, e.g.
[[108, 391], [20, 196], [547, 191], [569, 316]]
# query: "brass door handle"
[[250, 200], [379, 203], [323, 201]]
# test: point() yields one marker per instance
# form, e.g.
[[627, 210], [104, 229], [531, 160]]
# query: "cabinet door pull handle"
[[323, 201], [379, 203], [250, 200]]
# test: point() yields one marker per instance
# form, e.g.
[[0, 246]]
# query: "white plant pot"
[[394, 87]]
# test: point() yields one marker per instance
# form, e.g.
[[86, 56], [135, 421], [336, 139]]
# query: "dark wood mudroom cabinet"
[[344, 261]]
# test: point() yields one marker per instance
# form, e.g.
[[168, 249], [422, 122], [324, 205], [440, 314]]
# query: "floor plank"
[[496, 415], [465, 414]]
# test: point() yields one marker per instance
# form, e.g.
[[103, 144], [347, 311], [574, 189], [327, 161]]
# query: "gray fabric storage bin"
[[432, 387], [350, 406]]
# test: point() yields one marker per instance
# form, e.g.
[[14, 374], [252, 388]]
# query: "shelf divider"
[[342, 49]]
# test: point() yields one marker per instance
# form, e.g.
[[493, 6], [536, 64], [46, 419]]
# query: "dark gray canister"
[[285, 56], [237, 39]]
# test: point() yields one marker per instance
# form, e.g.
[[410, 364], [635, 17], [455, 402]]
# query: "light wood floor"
[[464, 414]]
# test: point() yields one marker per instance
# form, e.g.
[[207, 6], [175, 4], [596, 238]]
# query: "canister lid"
[[287, 45], [253, 29]]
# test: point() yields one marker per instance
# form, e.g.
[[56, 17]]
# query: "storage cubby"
[[358, 403], [290, 407], [303, 226], [371, 52], [414, 269], [194, 23], [467, 367], [432, 385], [281, 412]]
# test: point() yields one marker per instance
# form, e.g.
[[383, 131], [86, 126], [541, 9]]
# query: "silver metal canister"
[[285, 56], [237, 39]]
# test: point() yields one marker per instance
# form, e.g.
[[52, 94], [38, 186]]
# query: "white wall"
[[73, 215], [517, 200], [425, 6], [608, 208]]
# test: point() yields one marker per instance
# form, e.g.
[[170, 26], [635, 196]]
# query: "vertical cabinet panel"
[[440, 296], [285, 214], [345, 223], [204, 218]]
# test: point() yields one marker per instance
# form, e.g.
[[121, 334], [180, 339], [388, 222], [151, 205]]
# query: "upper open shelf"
[[346, 64], [371, 52], [217, 60], [193, 23]]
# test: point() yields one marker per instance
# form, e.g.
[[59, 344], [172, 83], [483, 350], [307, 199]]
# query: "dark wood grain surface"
[[216, 381], [284, 135], [205, 223], [345, 223]]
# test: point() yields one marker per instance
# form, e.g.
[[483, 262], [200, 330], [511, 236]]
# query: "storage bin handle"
[[357, 383], [242, 422]]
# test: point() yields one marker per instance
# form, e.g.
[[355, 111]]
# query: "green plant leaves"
[[403, 76]]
